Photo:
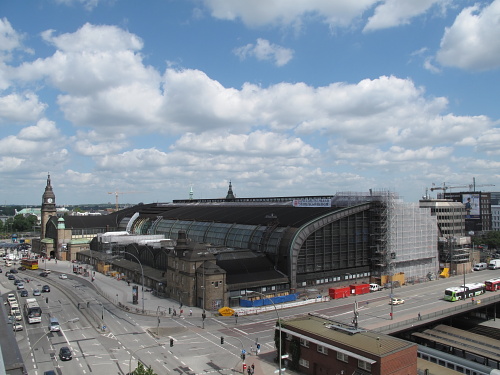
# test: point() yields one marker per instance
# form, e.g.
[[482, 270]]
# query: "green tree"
[[22, 223], [142, 370]]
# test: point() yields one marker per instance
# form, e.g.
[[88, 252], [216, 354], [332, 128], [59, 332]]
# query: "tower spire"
[[230, 194]]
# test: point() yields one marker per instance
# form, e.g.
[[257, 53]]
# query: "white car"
[[18, 316], [63, 276], [396, 301], [20, 286], [17, 326]]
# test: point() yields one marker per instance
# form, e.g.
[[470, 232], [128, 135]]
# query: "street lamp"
[[279, 326], [142, 271], [132, 354], [74, 320]]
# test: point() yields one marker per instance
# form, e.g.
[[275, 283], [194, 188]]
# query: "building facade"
[[316, 345]]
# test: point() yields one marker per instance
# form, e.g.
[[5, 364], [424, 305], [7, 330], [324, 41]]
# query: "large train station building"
[[273, 245]]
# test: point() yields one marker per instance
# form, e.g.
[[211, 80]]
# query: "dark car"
[[65, 353], [1, 270], [44, 274], [13, 270], [50, 372], [24, 293], [11, 277], [22, 268], [17, 281], [45, 289]]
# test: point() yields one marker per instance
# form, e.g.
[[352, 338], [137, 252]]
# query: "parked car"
[[36, 292], [50, 372], [45, 289], [63, 276], [18, 316], [24, 293], [17, 326], [396, 301], [65, 353]]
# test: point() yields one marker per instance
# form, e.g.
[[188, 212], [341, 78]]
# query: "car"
[[13, 270], [17, 326], [36, 292], [1, 270], [47, 272], [50, 372], [44, 274], [20, 286], [18, 316], [45, 289], [396, 301], [24, 293], [22, 268], [11, 276], [17, 281], [65, 353], [63, 276]]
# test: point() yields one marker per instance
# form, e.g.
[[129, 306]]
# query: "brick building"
[[320, 346]]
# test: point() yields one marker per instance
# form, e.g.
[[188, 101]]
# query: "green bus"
[[464, 291]]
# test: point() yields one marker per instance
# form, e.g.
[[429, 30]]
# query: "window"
[[322, 349], [342, 357], [289, 337], [304, 363], [364, 365], [304, 342]]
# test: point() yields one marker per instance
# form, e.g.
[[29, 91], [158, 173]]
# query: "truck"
[[494, 264]]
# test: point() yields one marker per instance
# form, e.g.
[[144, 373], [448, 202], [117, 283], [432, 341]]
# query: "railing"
[[479, 300]]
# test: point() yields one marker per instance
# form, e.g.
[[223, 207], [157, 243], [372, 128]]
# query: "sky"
[[146, 100]]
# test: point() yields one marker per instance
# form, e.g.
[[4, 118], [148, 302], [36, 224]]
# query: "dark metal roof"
[[288, 216]]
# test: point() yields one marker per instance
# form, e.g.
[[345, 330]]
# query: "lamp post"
[[74, 320], [135, 351], [279, 326], [142, 271]]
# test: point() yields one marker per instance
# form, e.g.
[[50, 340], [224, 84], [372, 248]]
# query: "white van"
[[375, 287], [480, 266], [8, 263], [54, 325], [494, 264]]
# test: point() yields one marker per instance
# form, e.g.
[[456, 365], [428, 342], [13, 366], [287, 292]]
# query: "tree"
[[142, 370]]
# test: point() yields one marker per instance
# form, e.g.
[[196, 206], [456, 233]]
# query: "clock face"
[[50, 200]]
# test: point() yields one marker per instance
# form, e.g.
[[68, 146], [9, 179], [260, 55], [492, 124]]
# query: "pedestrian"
[[190, 312], [175, 312], [419, 317], [253, 368], [258, 349], [181, 313], [251, 349], [236, 317]]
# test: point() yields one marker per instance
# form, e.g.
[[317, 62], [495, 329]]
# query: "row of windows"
[[324, 350]]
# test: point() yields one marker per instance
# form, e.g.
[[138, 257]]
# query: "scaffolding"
[[404, 236]]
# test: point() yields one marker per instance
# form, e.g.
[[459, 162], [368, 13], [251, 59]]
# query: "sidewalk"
[[119, 292]]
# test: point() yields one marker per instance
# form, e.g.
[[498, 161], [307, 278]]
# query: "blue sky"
[[281, 97]]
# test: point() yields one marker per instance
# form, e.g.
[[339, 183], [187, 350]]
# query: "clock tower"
[[48, 206]]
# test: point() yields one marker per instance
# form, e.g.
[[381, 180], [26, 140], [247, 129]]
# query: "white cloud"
[[20, 108], [391, 13], [286, 12], [263, 50], [9, 38], [473, 41]]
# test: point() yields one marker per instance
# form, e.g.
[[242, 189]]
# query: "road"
[[197, 347]]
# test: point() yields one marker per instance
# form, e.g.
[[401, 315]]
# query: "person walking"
[[190, 312], [419, 316]]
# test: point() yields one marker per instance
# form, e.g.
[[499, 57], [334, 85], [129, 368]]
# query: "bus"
[[464, 291], [30, 264], [33, 311], [492, 284]]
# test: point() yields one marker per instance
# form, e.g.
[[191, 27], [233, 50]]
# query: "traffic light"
[[169, 310], [222, 339], [171, 342]]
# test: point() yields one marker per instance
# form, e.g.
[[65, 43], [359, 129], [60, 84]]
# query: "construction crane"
[[444, 187], [116, 193], [473, 186]]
